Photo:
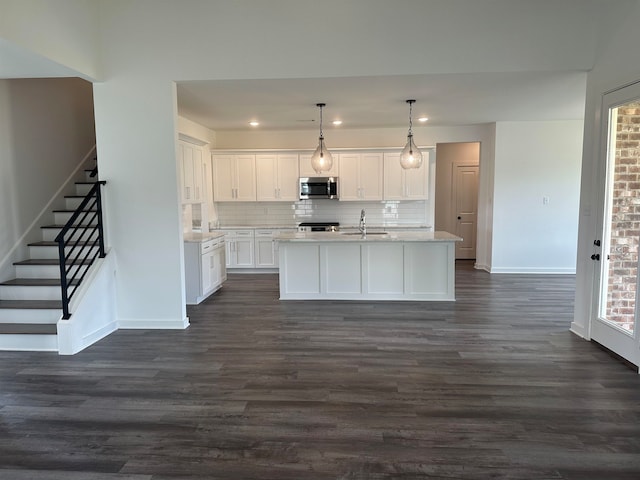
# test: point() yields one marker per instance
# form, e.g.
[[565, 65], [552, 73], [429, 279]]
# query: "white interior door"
[[465, 198], [615, 320]]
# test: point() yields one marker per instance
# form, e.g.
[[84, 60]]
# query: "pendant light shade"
[[411, 156], [321, 160]]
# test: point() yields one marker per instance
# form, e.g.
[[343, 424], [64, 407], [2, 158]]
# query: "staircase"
[[31, 304]]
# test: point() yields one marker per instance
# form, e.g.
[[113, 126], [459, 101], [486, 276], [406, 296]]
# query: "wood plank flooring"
[[492, 386]]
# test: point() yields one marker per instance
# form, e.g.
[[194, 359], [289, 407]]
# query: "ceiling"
[[378, 102]]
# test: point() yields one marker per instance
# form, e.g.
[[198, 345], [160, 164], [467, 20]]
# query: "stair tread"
[[74, 226], [31, 304], [28, 329], [86, 182], [50, 261], [45, 243], [71, 211], [35, 282]]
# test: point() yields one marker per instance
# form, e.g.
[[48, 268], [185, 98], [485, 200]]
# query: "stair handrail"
[[69, 236]]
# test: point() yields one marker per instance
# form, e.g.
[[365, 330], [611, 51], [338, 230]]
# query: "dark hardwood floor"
[[493, 386]]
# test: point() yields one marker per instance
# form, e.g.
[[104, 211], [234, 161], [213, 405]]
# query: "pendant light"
[[411, 156], [321, 160]]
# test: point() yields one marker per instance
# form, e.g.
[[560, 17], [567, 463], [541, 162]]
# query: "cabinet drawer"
[[264, 233], [207, 246], [243, 233]]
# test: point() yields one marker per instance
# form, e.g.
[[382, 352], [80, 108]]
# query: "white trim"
[[579, 331], [481, 266], [534, 270], [156, 324], [193, 140]]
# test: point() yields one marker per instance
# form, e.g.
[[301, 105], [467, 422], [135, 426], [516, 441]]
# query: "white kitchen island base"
[[396, 266]]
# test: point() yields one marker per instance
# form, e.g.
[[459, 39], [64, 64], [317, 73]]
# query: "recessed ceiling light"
[[254, 123], [337, 122], [423, 119]]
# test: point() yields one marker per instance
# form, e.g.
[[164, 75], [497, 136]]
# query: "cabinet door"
[[265, 251], [187, 173], [229, 247], [371, 176], [416, 183], [288, 178], [223, 178], [416, 180], [220, 265], [349, 180], [196, 155], [266, 178], [243, 252], [245, 181], [207, 280], [394, 179], [306, 170]]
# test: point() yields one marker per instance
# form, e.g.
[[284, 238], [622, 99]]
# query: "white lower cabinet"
[[205, 269], [250, 248], [266, 252], [239, 248]]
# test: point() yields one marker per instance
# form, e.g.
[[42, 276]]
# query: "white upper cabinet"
[[401, 184], [234, 178], [190, 159], [277, 177], [307, 171], [361, 176]]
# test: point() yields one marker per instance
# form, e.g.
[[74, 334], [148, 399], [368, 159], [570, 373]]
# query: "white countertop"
[[372, 236], [196, 237]]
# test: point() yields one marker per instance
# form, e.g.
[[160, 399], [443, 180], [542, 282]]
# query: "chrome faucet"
[[362, 227]]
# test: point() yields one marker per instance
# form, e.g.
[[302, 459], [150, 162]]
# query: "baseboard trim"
[[534, 270], [578, 330], [153, 324]]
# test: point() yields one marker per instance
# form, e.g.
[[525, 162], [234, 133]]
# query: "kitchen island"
[[399, 265]]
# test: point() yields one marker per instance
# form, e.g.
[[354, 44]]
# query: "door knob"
[[459, 218], [595, 256]]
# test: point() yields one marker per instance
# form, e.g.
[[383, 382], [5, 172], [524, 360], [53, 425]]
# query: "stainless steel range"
[[319, 227]]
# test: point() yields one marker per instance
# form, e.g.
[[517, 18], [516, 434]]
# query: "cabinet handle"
[[187, 191]]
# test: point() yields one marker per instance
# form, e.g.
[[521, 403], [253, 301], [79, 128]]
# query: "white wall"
[[534, 160], [58, 35], [617, 64], [137, 134], [46, 129]]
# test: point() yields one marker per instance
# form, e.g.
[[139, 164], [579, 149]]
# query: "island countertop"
[[372, 236]]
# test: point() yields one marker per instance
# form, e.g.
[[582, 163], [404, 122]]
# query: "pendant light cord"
[[321, 135], [410, 102]]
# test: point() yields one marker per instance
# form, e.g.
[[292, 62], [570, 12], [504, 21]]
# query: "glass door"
[[615, 323]]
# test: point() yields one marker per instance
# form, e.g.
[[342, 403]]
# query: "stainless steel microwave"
[[318, 187]]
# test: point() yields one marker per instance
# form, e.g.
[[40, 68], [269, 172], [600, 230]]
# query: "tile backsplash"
[[389, 213]]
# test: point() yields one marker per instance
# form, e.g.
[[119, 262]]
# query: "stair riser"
[[27, 292], [26, 316], [34, 343], [50, 234], [52, 252], [83, 188], [40, 271], [61, 218], [72, 203]]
